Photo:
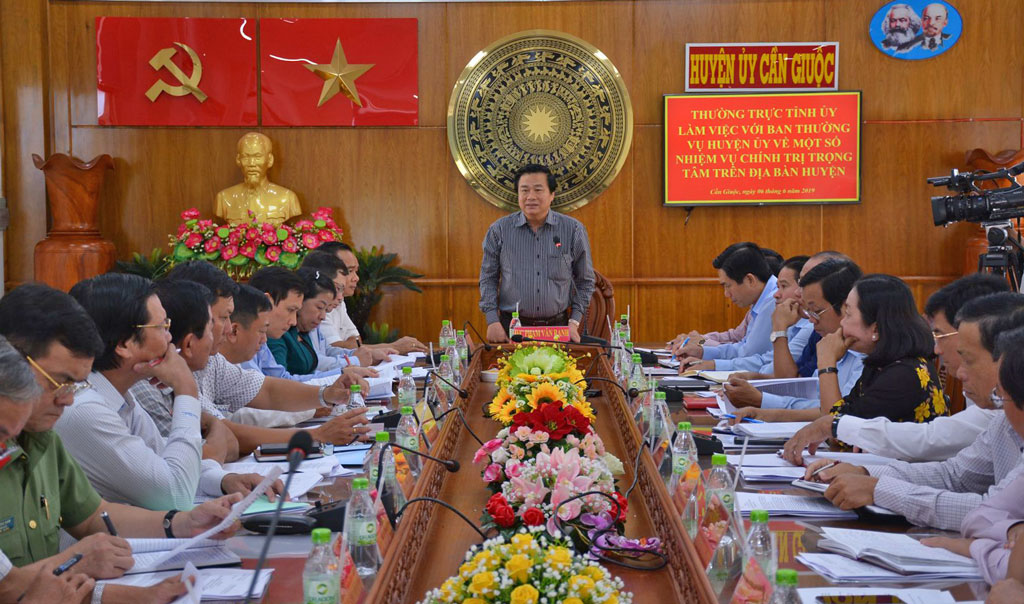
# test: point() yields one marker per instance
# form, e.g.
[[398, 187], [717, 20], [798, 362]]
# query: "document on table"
[[150, 554], [236, 512], [840, 569], [821, 487], [670, 363], [774, 460], [797, 387], [213, 583], [659, 371], [661, 352], [262, 505], [809, 595], [897, 552], [777, 474], [790, 505], [769, 430], [249, 465]]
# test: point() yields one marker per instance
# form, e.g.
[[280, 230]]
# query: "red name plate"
[[556, 333]]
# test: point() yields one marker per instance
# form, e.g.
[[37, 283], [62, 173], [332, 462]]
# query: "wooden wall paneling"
[[891, 230], [663, 27], [23, 29], [939, 87], [668, 246], [60, 80], [418, 315], [666, 310], [433, 35]]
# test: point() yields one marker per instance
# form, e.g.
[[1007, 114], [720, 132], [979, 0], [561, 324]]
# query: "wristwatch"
[[825, 370], [168, 518], [775, 335], [574, 322], [320, 394], [835, 426]]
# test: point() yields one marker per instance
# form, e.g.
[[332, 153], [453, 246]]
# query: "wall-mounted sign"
[[541, 97], [762, 149], [919, 29], [794, 67], [175, 72]]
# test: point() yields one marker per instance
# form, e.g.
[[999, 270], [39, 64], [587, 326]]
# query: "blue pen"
[[685, 342], [750, 420]]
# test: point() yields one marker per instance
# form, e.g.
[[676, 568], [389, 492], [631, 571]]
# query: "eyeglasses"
[[59, 389], [816, 315], [997, 400], [939, 336], [166, 325]]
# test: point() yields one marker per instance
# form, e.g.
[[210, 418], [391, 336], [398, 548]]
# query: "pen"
[[823, 468], [43, 503], [745, 419], [110, 524], [63, 568], [685, 342]]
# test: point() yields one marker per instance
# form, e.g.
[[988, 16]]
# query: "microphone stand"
[[483, 341], [483, 535], [450, 464], [462, 416], [462, 393]]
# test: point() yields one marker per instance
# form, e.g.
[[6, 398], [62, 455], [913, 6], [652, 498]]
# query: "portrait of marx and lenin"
[[916, 30]]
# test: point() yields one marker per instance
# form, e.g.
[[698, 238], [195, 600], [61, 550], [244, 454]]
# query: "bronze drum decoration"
[[545, 97]]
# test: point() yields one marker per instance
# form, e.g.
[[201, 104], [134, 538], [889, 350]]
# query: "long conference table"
[[430, 541]]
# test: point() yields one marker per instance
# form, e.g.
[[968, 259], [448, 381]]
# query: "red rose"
[[623, 506], [501, 511], [552, 418], [533, 517]]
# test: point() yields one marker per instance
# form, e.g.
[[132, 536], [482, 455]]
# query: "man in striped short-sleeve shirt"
[[537, 260]]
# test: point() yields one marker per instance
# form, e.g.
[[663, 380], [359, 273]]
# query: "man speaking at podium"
[[537, 259]]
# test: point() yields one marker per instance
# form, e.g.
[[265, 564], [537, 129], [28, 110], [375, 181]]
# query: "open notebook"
[[897, 552]]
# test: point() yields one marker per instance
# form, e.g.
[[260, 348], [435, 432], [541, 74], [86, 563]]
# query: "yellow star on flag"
[[339, 76]]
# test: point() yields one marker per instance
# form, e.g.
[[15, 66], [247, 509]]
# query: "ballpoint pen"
[[751, 420], [824, 467]]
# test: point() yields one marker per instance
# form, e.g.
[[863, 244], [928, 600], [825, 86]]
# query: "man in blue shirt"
[[748, 282]]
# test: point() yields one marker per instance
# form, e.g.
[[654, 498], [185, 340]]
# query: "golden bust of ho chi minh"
[[269, 202]]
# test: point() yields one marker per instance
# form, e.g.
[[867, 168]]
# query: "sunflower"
[[583, 406], [545, 393], [498, 402], [504, 415]]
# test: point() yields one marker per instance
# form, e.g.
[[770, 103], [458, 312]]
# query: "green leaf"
[[289, 260], [223, 232], [282, 234], [209, 256], [238, 260], [182, 252], [261, 256]]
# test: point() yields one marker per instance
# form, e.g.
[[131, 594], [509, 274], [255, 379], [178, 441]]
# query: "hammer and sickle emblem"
[[189, 84]]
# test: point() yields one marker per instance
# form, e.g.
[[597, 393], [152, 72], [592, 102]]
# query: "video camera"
[[974, 204]]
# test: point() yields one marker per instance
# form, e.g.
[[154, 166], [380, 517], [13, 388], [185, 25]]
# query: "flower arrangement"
[[244, 248], [527, 568], [532, 376]]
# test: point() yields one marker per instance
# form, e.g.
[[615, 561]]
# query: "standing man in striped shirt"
[[536, 259]]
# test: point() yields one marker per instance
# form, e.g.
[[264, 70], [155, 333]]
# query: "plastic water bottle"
[[444, 370], [355, 397], [392, 493], [406, 388], [786, 582], [624, 328], [513, 324], [321, 577], [447, 333], [462, 347], [761, 543], [407, 434], [371, 463], [684, 453], [720, 481], [361, 530], [627, 360], [452, 351], [616, 358]]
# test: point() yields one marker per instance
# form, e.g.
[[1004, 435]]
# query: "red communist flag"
[[339, 72], [175, 72]]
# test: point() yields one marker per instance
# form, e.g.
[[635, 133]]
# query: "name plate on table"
[[558, 333]]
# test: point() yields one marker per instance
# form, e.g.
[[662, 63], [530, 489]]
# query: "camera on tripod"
[[975, 204]]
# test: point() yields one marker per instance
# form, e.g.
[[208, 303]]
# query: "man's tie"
[[931, 44]]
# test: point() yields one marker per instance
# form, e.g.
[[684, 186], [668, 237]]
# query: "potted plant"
[[376, 269]]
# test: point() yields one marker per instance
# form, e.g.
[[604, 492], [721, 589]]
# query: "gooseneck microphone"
[[484, 344], [462, 417], [462, 393], [451, 465], [299, 446]]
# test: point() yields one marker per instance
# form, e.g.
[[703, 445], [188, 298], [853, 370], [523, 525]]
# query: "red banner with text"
[[762, 149], [800, 67], [175, 72], [339, 72]]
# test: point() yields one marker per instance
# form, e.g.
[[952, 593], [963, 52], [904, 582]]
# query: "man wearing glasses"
[[43, 489]]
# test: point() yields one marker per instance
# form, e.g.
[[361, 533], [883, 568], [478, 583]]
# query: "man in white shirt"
[[938, 439], [941, 493], [111, 435]]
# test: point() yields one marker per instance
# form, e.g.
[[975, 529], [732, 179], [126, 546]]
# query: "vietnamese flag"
[[175, 71], [339, 72]]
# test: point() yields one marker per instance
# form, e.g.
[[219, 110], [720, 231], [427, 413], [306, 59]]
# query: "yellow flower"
[[559, 558], [450, 588], [506, 413], [939, 402], [545, 393], [525, 594], [518, 567], [466, 570], [572, 601], [922, 374], [922, 412], [594, 572], [613, 598], [584, 407], [474, 601], [482, 582], [522, 541], [499, 400], [487, 559], [581, 584]]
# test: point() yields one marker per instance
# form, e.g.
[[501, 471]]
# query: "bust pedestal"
[[73, 249]]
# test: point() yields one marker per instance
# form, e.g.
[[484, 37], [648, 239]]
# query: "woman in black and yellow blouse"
[[899, 382]]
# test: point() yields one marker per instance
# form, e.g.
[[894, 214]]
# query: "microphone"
[[450, 464], [632, 393], [462, 416], [299, 446], [462, 393], [483, 341]]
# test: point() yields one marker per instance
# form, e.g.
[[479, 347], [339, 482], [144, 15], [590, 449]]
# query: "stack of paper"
[[718, 377], [773, 430], [249, 465], [213, 584], [151, 554], [899, 553], [790, 505], [840, 569], [821, 487], [734, 443], [769, 474], [809, 595]]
